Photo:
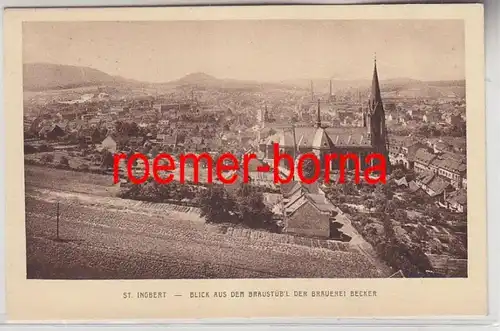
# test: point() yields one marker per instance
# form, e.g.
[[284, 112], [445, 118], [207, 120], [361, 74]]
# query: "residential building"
[[109, 144], [457, 201], [423, 160], [308, 215]]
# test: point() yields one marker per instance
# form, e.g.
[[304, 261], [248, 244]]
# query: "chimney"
[[318, 119], [295, 150]]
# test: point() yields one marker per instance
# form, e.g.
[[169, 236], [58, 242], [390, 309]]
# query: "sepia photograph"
[[94, 89], [281, 149]]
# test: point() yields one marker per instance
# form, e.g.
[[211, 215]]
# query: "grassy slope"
[[108, 244]]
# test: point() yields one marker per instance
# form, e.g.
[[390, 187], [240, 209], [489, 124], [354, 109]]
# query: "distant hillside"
[[45, 76], [402, 87], [202, 80], [40, 77]]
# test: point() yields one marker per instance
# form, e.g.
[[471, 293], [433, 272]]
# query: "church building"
[[370, 137]]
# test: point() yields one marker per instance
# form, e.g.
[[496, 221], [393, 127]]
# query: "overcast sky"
[[253, 50]]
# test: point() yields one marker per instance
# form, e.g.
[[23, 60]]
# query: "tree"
[[459, 130], [119, 126], [412, 261], [45, 148], [251, 208], [334, 193], [385, 191], [457, 249], [154, 151], [400, 215], [29, 149], [389, 207], [397, 173], [131, 192], [421, 233], [107, 159], [47, 158], [433, 212], [64, 161], [388, 229], [216, 205], [349, 188]]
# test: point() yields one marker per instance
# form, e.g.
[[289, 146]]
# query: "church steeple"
[[376, 115], [375, 95], [318, 119]]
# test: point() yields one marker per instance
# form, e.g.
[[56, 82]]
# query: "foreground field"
[[110, 238]]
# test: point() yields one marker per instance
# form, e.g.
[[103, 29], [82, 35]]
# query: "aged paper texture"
[[97, 99]]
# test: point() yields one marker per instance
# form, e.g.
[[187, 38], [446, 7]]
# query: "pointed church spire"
[[376, 115], [375, 96], [318, 120]]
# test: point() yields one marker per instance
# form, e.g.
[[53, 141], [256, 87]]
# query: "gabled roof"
[[318, 201], [343, 136], [454, 156], [452, 165], [459, 197], [50, 128], [438, 185], [402, 181], [426, 177], [424, 157], [312, 188], [413, 186], [288, 189], [109, 138], [321, 140]]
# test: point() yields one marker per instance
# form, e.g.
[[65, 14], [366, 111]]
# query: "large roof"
[[305, 137], [321, 140]]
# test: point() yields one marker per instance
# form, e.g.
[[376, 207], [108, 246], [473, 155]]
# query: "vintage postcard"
[[278, 161]]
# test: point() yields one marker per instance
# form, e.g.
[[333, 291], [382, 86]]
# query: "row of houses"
[[446, 165], [431, 117], [441, 174], [422, 158], [441, 190]]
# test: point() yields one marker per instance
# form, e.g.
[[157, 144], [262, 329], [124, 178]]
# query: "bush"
[[64, 161], [28, 149], [83, 167], [45, 148], [216, 205], [397, 173], [251, 209], [401, 216], [47, 158]]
